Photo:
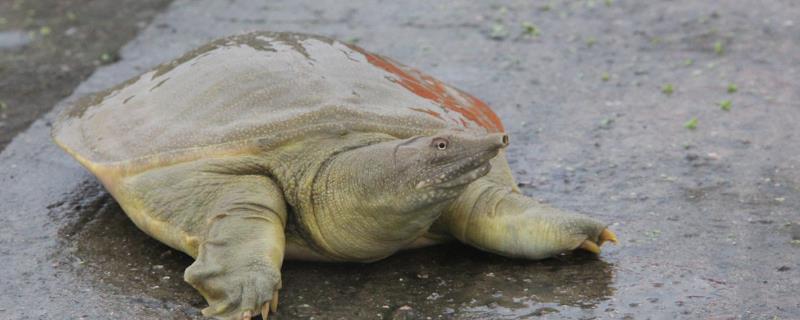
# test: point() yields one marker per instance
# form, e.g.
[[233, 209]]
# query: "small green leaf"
[[606, 123], [353, 40], [718, 48], [498, 31], [655, 40], [591, 41], [502, 10], [732, 88], [691, 124], [530, 30], [667, 89], [45, 30], [725, 105], [606, 76], [688, 62]]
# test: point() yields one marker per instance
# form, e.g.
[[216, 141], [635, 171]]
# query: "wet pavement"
[[599, 98], [48, 47]]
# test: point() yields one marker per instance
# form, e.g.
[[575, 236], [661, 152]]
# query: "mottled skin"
[[269, 146]]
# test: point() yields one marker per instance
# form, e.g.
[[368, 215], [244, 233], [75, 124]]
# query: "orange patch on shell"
[[432, 89]]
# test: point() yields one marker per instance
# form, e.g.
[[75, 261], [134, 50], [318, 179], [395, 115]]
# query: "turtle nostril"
[[505, 140]]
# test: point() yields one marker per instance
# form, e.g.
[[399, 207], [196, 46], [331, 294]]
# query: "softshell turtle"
[[261, 147]]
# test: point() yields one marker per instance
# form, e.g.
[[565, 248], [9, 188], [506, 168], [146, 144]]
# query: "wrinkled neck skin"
[[371, 212], [354, 197]]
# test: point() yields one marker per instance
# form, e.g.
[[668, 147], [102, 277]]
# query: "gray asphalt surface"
[[48, 47], [708, 217]]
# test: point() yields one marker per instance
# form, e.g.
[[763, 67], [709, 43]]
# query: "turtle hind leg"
[[231, 221]]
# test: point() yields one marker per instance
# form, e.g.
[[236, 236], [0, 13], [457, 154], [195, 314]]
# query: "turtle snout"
[[504, 140], [498, 140], [491, 145]]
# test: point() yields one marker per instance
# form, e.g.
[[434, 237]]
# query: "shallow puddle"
[[105, 249]]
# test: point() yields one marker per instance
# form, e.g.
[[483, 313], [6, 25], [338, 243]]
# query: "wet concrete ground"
[[598, 98], [48, 47]]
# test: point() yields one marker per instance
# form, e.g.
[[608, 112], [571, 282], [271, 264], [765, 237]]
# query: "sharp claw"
[[273, 304], [265, 311], [247, 315], [590, 246], [607, 235]]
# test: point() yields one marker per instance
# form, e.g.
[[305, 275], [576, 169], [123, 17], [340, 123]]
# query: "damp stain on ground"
[[48, 47]]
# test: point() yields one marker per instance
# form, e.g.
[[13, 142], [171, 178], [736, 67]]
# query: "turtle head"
[[378, 198], [432, 169]]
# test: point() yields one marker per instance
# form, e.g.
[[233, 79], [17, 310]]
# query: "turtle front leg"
[[238, 267], [494, 216], [227, 216]]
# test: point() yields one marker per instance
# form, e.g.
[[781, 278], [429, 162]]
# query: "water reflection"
[[451, 281], [102, 246]]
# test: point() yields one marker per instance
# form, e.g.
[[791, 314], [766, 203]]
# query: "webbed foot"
[[238, 267], [236, 293], [594, 246]]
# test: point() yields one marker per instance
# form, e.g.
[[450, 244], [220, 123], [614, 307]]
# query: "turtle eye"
[[440, 143]]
